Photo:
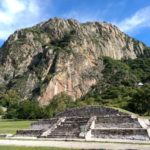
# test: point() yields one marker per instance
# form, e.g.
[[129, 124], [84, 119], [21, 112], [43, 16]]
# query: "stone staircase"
[[52, 128], [70, 128]]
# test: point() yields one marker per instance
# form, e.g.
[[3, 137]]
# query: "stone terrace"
[[117, 122], [90, 111], [90, 123]]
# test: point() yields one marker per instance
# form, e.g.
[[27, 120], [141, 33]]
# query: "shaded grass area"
[[123, 111], [11, 126], [28, 148]]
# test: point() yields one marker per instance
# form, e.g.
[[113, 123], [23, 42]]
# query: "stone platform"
[[90, 123]]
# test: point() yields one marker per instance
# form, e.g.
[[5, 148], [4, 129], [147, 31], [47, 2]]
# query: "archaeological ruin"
[[91, 123]]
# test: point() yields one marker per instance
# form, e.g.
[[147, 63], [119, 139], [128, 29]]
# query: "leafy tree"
[[30, 110], [11, 114], [141, 101], [10, 99], [140, 67], [59, 103]]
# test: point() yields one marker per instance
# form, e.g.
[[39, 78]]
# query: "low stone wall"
[[44, 124], [29, 133], [130, 134], [3, 135], [117, 122]]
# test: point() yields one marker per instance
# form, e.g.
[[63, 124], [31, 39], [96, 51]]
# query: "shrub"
[[59, 103], [30, 110], [141, 101], [9, 99]]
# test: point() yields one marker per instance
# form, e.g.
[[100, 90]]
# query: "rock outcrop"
[[61, 56]]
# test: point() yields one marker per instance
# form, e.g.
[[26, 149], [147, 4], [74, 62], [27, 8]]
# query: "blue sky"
[[131, 16]]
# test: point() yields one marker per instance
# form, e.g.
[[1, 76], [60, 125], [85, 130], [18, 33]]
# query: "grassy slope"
[[28, 148], [10, 126], [129, 113]]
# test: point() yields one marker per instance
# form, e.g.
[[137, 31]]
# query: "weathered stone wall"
[[91, 111]]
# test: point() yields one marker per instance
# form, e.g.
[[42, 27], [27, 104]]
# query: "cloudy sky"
[[131, 16]]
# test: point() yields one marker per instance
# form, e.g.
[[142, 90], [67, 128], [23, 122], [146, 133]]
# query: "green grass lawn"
[[29, 148], [10, 126]]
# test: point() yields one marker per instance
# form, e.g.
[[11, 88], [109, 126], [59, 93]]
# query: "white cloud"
[[138, 20], [14, 6], [15, 14]]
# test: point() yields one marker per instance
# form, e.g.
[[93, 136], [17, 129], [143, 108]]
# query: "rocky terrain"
[[61, 56]]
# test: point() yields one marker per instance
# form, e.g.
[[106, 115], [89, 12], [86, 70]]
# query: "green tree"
[[141, 101], [59, 103], [30, 110], [9, 99]]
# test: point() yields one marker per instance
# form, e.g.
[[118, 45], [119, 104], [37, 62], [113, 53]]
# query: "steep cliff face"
[[61, 56]]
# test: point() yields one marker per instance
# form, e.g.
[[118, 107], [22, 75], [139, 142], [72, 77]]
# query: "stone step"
[[117, 119], [58, 136], [117, 125], [64, 135], [45, 121]]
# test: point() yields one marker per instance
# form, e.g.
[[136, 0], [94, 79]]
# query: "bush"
[[30, 110], [59, 103], [16, 108], [9, 99], [141, 101]]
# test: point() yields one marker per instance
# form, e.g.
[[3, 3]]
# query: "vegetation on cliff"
[[125, 84], [119, 87]]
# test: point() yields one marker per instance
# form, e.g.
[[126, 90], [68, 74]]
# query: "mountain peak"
[[62, 56]]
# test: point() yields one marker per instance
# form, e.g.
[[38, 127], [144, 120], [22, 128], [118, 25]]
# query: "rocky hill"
[[62, 56]]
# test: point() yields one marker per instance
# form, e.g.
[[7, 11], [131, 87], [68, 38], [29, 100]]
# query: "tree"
[[141, 101], [10, 99], [30, 110], [59, 103]]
